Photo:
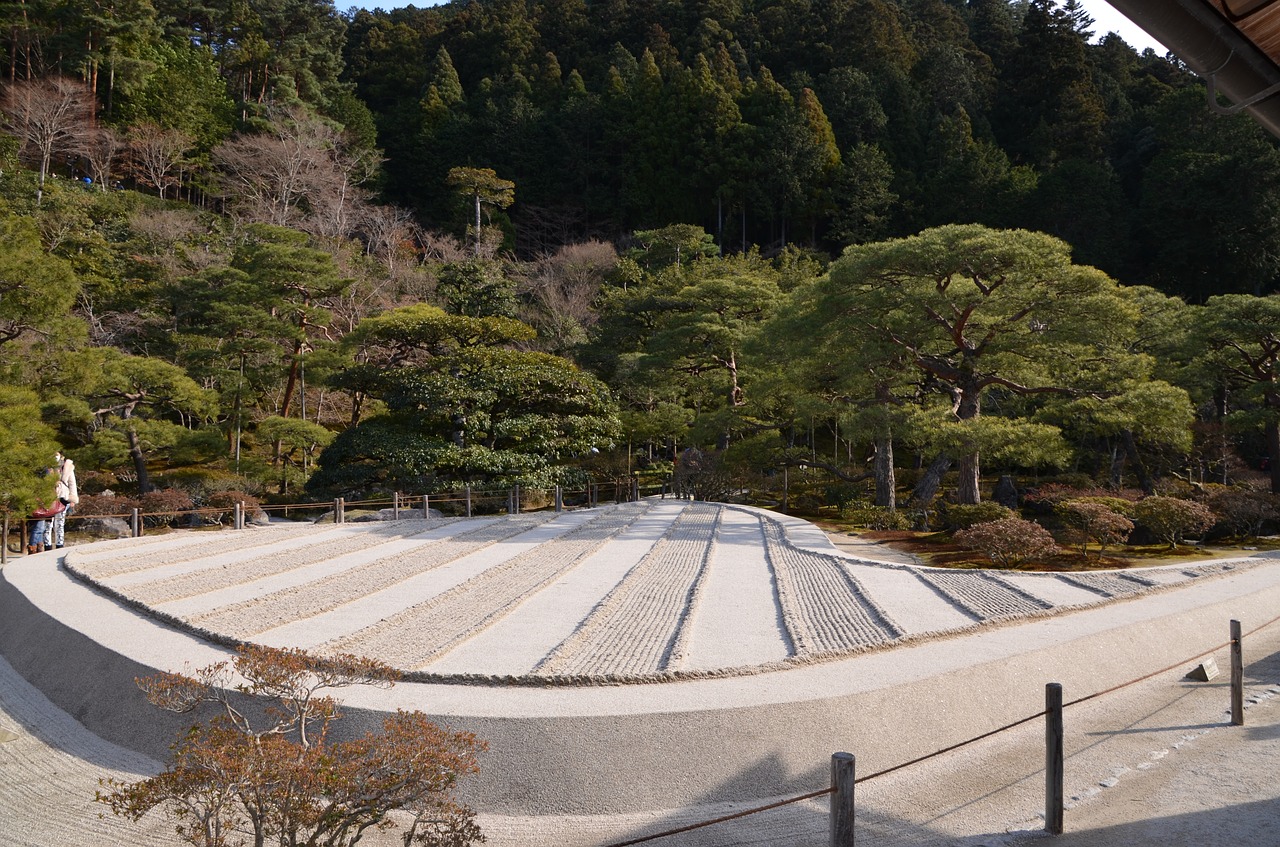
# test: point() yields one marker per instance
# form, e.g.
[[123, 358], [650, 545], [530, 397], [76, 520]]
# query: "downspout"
[[1213, 49]]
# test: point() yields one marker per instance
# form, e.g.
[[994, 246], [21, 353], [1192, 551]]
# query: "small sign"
[[1204, 671]]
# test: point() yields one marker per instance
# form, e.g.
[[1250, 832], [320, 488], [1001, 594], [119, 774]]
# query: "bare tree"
[[387, 232], [301, 173], [336, 203], [48, 115], [158, 155], [101, 147], [561, 292]]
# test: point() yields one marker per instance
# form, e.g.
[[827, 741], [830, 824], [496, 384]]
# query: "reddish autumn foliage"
[[272, 775], [1008, 542]]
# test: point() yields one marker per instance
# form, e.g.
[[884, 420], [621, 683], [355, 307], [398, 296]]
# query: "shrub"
[[103, 505], [162, 508], [1244, 511], [225, 503], [1052, 493], [1169, 518], [875, 517], [1008, 542], [278, 771], [963, 516], [1092, 520]]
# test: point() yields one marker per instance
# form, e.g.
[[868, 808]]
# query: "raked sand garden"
[[635, 592], [630, 665]]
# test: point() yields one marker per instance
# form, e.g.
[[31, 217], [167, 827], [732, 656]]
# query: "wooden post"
[[237, 516], [468, 500], [4, 551], [1054, 765], [559, 500], [515, 500], [135, 522], [341, 510], [842, 771], [635, 489], [337, 519], [1237, 676], [426, 506], [395, 506]]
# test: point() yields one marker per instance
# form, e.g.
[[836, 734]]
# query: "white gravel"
[[724, 590]]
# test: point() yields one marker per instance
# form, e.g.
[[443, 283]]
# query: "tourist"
[[68, 495], [39, 539]]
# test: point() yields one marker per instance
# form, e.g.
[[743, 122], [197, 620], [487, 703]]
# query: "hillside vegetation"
[[854, 253]]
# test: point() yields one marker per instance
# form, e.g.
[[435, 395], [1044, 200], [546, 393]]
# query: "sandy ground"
[[1153, 765]]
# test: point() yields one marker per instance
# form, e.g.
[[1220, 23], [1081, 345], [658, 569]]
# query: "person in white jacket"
[[68, 493]]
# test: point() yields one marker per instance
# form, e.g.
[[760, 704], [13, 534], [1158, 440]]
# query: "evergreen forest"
[[874, 254]]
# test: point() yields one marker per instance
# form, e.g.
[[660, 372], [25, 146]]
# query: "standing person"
[[68, 495], [41, 535]]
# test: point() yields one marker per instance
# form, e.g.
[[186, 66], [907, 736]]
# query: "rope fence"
[[465, 501], [842, 768], [840, 826]]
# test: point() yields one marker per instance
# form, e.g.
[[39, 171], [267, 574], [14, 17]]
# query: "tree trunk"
[[886, 483], [1273, 454], [967, 492], [139, 461], [930, 481], [1139, 467]]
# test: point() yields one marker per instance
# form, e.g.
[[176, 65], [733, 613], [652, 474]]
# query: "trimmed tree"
[[1008, 542], [1169, 518], [1091, 521], [276, 775], [975, 309]]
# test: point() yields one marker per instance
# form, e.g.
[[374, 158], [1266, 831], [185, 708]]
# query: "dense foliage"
[[843, 250]]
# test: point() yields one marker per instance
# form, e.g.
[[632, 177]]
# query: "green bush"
[[865, 515], [956, 516], [1169, 518]]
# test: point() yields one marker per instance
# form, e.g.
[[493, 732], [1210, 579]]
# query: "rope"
[[734, 816], [944, 750]]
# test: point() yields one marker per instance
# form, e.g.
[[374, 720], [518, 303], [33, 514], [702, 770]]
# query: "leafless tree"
[[441, 247], [561, 290], [335, 201], [48, 116], [158, 155], [387, 232], [101, 148], [300, 173]]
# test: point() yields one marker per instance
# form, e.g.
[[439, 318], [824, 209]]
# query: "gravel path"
[[421, 634], [825, 608], [244, 619]]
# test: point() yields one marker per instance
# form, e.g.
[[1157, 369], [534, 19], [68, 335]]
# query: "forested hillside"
[[510, 241]]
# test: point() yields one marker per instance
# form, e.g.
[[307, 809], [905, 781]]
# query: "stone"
[[1006, 493], [1204, 671], [104, 527]]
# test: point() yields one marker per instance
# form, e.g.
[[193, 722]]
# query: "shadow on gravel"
[[1243, 825]]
